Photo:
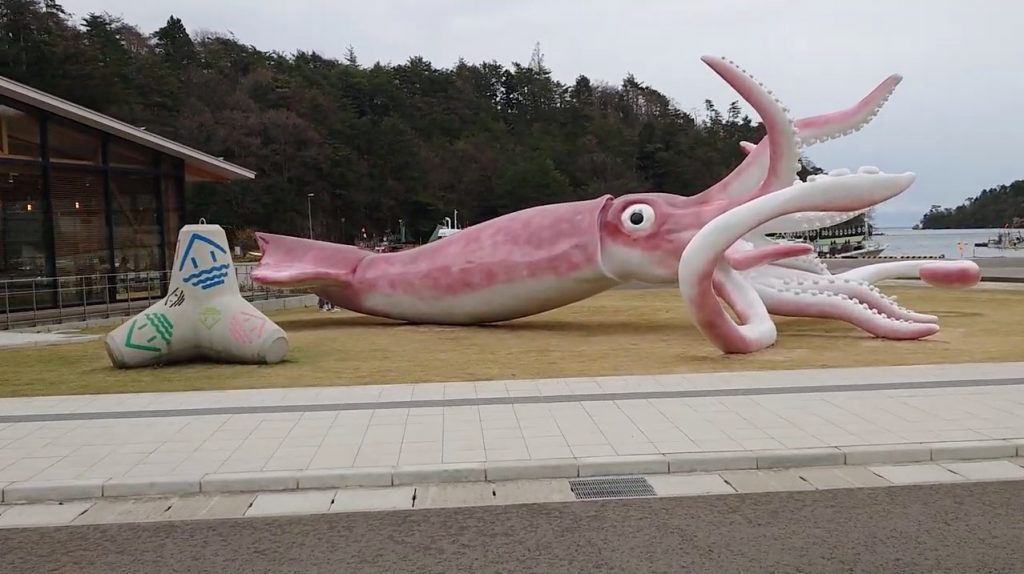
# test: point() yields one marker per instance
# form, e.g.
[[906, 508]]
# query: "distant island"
[[995, 207]]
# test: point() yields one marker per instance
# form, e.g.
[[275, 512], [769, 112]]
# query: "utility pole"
[[309, 210]]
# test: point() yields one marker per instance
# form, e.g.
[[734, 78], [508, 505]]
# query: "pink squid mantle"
[[509, 267]]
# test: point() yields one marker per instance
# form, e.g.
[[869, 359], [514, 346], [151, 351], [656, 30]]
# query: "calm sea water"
[[903, 241]]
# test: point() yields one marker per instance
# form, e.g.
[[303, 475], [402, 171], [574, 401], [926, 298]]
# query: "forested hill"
[[376, 143], [995, 207]]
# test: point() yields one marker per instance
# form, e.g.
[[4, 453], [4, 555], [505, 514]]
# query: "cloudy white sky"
[[954, 120]]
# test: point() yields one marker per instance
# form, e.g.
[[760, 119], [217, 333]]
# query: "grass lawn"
[[618, 332]]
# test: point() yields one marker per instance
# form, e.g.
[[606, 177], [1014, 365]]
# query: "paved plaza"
[[250, 440]]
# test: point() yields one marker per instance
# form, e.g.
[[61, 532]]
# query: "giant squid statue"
[[713, 245]]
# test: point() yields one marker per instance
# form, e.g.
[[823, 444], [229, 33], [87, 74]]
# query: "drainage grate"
[[622, 487]]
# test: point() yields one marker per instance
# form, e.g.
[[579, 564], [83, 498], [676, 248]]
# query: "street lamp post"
[[309, 210]]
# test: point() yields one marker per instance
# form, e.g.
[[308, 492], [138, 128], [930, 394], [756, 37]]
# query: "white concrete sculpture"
[[203, 315]]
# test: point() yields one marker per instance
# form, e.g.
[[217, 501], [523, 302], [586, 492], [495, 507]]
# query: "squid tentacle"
[[949, 274], [784, 145], [828, 305], [810, 130], [782, 135], [855, 290], [702, 265]]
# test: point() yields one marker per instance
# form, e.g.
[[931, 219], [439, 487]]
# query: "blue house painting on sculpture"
[[209, 262]]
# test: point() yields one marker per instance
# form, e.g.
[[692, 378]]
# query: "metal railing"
[[27, 303]]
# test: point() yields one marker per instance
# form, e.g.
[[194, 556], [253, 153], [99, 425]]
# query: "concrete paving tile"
[[48, 451], [532, 491], [236, 466], [455, 494], [60, 471], [765, 480], [504, 443], [146, 509], [191, 507], [146, 470], [377, 455], [508, 454], [26, 468], [328, 457], [43, 514], [986, 470], [595, 438], [228, 506], [675, 446], [364, 499], [104, 511], [288, 463], [635, 448], [842, 477], [298, 502], [687, 485], [716, 444], [419, 457], [463, 456], [760, 444], [545, 442], [592, 450], [915, 473], [539, 430], [548, 452]]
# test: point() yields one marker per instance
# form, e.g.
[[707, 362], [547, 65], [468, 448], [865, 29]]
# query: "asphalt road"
[[930, 529]]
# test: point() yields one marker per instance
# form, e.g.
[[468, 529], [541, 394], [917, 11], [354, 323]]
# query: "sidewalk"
[[382, 435]]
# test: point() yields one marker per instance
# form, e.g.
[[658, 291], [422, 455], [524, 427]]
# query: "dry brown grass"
[[618, 332]]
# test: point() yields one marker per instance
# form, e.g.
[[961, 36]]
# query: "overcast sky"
[[954, 120]]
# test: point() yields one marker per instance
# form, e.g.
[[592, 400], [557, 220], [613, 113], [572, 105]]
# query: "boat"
[[850, 241], [447, 228], [1008, 238]]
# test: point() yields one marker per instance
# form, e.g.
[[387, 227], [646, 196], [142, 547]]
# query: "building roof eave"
[[199, 166]]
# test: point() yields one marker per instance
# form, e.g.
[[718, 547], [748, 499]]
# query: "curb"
[[62, 490]]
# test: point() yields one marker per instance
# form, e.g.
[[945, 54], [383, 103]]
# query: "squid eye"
[[638, 217]]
